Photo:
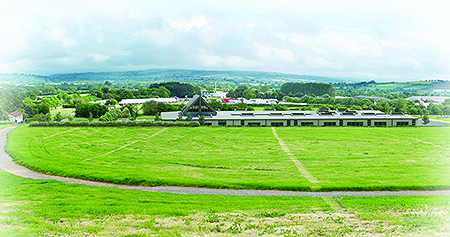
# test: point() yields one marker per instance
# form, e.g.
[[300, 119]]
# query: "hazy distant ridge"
[[165, 75]]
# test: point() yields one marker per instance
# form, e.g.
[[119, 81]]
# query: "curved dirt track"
[[7, 164]]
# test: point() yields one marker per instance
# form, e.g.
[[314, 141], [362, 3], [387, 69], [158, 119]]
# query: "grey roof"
[[300, 115], [375, 98]]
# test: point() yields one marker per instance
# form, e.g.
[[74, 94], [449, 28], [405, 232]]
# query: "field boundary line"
[[59, 133], [294, 159], [417, 139], [430, 143], [389, 134], [129, 144], [242, 132], [333, 203]]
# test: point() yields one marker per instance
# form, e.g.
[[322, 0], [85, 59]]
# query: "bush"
[[85, 110], [119, 124]]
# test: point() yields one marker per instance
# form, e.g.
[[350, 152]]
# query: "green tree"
[[157, 117], [425, 119], [188, 117], [43, 109], [111, 102], [446, 110], [150, 108], [31, 95], [201, 119], [400, 105], [126, 113], [58, 117], [49, 90], [180, 117], [248, 94], [435, 109]]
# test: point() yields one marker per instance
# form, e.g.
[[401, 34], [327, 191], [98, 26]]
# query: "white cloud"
[[159, 37], [185, 25], [207, 59], [396, 39], [135, 15], [13, 40], [58, 34], [269, 53], [98, 58]]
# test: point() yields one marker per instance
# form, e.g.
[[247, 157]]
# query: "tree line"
[[301, 89]]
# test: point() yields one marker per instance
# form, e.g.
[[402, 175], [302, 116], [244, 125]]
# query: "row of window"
[[288, 123]]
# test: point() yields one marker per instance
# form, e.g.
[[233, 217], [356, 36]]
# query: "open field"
[[310, 158], [45, 207]]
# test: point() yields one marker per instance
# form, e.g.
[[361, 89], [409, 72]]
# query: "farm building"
[[323, 117], [16, 117]]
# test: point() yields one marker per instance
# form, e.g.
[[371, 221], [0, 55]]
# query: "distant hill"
[[22, 78], [188, 75], [159, 75]]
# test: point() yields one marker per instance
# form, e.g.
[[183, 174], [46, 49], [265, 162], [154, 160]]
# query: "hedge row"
[[118, 124]]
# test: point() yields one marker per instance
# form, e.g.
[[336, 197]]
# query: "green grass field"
[[338, 158], [48, 208]]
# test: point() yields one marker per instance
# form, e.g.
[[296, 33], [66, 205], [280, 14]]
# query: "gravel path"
[[7, 164]]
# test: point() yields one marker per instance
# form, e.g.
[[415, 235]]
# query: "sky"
[[380, 40]]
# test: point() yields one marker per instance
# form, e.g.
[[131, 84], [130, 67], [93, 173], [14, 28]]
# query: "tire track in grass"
[[416, 139], [242, 132], [59, 133], [7, 165], [430, 143], [126, 145], [294, 159]]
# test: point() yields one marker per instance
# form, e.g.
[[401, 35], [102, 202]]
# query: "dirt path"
[[7, 164]]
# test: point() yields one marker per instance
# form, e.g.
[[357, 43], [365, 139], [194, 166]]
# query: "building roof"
[[198, 102], [375, 98], [16, 113], [439, 99], [295, 114], [141, 101]]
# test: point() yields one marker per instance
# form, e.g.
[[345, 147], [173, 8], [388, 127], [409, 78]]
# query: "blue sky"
[[381, 40]]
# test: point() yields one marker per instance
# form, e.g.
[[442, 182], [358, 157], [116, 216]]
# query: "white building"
[[261, 101], [141, 101], [197, 106], [16, 117]]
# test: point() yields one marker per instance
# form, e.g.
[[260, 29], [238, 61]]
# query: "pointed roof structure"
[[16, 114], [198, 106]]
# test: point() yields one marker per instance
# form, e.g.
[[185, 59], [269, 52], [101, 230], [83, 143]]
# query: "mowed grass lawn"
[[50, 208], [369, 158], [348, 158]]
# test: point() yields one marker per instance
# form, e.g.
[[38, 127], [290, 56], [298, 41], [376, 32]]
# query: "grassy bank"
[[348, 158], [45, 207]]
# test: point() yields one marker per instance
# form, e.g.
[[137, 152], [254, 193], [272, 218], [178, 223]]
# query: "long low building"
[[322, 117], [141, 101]]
